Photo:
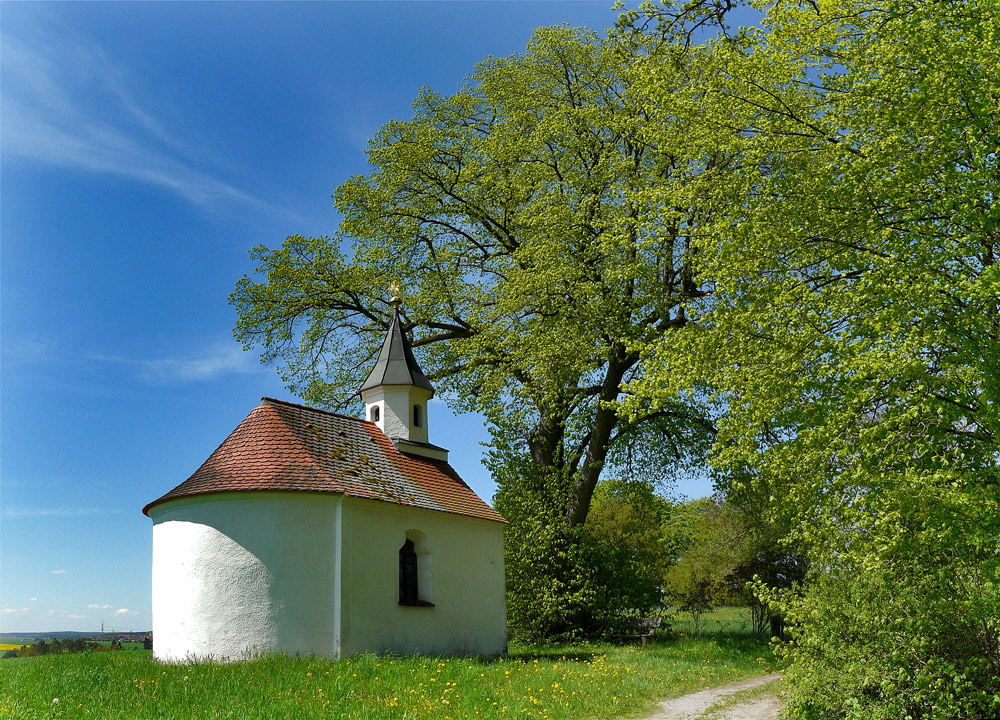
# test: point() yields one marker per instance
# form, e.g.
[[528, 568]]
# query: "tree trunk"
[[604, 424]]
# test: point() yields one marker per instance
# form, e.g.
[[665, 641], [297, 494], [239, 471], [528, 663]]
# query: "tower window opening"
[[418, 420], [374, 413]]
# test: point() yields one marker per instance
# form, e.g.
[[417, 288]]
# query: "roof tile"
[[285, 446]]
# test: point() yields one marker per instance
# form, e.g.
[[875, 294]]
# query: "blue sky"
[[144, 148]]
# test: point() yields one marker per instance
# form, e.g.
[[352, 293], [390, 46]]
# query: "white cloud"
[[7, 610], [215, 359], [76, 617], [58, 572], [34, 599], [95, 606], [30, 350], [218, 358], [67, 103], [125, 611]]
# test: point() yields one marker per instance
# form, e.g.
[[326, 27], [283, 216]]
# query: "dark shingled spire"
[[395, 364]]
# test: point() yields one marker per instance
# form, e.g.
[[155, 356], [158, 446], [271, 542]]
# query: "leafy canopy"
[[539, 234], [854, 336]]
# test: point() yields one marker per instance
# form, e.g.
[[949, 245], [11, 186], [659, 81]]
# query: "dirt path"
[[761, 706]]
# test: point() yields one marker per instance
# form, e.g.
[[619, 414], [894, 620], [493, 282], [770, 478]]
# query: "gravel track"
[[695, 705]]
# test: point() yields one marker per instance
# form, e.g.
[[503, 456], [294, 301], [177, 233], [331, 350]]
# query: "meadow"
[[558, 682]]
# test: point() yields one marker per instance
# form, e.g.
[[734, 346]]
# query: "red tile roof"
[[284, 446]]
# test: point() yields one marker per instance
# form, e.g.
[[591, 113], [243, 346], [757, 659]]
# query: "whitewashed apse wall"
[[236, 574], [240, 573]]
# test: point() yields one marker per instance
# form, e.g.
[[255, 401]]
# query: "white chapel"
[[309, 532]]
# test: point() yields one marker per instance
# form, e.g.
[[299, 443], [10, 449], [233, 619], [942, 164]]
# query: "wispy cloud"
[[217, 358], [95, 606], [66, 103], [58, 572], [14, 611], [125, 611], [31, 350]]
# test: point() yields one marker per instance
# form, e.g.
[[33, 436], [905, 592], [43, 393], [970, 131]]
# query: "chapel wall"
[[243, 573], [467, 578]]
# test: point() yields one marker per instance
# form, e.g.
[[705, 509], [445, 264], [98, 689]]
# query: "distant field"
[[14, 643], [14, 640], [568, 682]]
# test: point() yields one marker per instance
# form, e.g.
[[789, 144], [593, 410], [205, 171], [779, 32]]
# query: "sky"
[[144, 149]]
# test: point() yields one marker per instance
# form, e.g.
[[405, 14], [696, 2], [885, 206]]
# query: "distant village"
[[16, 645]]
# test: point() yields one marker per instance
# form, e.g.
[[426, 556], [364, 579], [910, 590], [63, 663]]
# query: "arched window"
[[374, 413], [408, 574], [418, 420], [415, 571]]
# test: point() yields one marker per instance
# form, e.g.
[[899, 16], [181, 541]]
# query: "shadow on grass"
[[553, 654]]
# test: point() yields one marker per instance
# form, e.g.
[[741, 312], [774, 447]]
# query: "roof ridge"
[[267, 400]]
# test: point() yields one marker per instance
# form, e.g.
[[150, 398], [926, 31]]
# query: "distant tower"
[[396, 394]]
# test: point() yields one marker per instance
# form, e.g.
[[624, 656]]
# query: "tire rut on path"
[[693, 706]]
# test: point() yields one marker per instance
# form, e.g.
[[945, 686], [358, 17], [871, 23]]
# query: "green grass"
[[127, 645], [734, 621], [578, 682]]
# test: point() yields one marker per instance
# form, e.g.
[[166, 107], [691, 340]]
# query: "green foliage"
[[903, 640], [567, 582], [558, 682], [723, 551], [709, 549], [538, 235], [853, 337], [696, 596], [632, 516]]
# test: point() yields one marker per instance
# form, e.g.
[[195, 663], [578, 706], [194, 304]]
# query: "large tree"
[[539, 235], [854, 336]]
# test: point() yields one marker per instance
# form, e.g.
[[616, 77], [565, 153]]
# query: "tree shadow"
[[554, 654]]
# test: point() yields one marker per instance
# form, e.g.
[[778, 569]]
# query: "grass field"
[[578, 682], [724, 621]]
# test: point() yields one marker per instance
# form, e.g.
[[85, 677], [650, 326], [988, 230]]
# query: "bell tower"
[[396, 394]]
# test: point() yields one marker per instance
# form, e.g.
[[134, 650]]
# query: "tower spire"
[[395, 364], [396, 392]]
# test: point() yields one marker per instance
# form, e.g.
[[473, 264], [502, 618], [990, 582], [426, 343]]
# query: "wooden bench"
[[645, 629]]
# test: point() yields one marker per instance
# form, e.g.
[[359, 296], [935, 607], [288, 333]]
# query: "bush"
[[564, 582]]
